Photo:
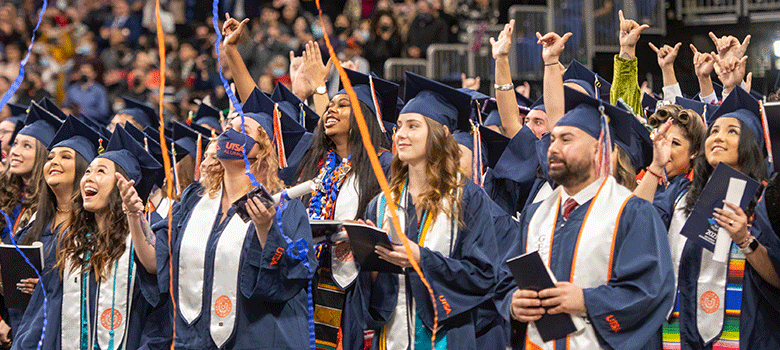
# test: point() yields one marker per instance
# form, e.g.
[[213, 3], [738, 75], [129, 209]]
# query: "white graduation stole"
[[162, 207], [711, 284], [224, 291], [440, 238], [592, 264], [345, 272], [117, 289]]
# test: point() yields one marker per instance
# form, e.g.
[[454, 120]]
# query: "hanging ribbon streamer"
[[199, 156], [7, 231], [604, 154], [166, 161], [380, 174], [229, 91], [476, 155], [18, 81], [376, 104]]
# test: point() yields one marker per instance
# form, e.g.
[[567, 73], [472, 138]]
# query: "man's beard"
[[571, 174]]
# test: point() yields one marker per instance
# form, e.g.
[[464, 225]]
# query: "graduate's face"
[[722, 142], [6, 129], [22, 157], [337, 116], [251, 126], [681, 155], [97, 183], [60, 167], [209, 160], [121, 119], [537, 122], [571, 156], [465, 160], [411, 138]]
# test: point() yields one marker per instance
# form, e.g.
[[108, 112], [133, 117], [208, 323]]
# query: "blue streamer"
[[18, 81], [7, 231], [229, 91], [303, 251]]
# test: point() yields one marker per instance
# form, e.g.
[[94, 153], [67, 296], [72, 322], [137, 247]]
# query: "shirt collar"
[[583, 195]]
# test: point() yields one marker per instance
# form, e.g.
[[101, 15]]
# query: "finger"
[[746, 42], [526, 293], [462, 76], [620, 15], [676, 48], [227, 16], [565, 38], [743, 61], [292, 55], [693, 48], [737, 210], [492, 41], [551, 302], [370, 223], [557, 310], [550, 293], [476, 81], [653, 47], [539, 37], [640, 29], [714, 39], [242, 25], [527, 319], [749, 81]]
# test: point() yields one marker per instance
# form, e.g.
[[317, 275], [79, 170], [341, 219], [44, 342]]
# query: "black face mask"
[[426, 18], [83, 78], [385, 28], [339, 30]]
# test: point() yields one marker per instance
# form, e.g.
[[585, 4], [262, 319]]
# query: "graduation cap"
[[538, 105], [100, 128], [649, 104], [495, 145], [78, 136], [582, 76], [741, 105], [257, 107], [444, 104], [208, 116], [151, 137], [40, 124], [293, 106], [491, 109], [705, 110], [17, 110], [772, 110], [188, 137], [386, 93], [141, 112], [138, 164], [50, 106], [467, 139], [582, 112]]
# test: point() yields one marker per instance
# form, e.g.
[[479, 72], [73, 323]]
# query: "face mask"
[[316, 31], [278, 72], [339, 30], [385, 28], [44, 62], [83, 79], [230, 144], [365, 35]]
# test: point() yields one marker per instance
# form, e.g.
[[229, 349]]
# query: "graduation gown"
[[664, 199], [147, 323], [465, 279], [640, 289], [272, 304]]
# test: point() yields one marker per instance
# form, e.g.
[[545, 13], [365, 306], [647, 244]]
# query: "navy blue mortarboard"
[[582, 112], [649, 104], [258, 106], [17, 127], [17, 111], [386, 94], [40, 124], [581, 75], [296, 142], [444, 104], [50, 106], [741, 105], [138, 164], [495, 145], [704, 109], [78, 136], [538, 105], [187, 137], [151, 137], [293, 106], [208, 116], [100, 128], [491, 109], [475, 95], [478, 100], [466, 139], [141, 112]]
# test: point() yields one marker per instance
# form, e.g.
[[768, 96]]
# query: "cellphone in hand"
[[261, 193]]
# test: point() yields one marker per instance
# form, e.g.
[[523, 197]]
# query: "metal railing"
[[447, 61], [395, 67], [709, 11], [526, 58]]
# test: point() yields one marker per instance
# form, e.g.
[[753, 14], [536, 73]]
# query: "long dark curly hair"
[[12, 188], [105, 247], [361, 166]]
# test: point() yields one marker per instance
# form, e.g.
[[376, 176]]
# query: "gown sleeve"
[[631, 307], [383, 291], [275, 273]]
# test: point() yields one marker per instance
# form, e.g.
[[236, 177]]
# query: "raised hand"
[[232, 30], [666, 54], [731, 71], [730, 46], [469, 83], [630, 31], [552, 46], [703, 62], [662, 147], [298, 78], [132, 204], [316, 71], [502, 46]]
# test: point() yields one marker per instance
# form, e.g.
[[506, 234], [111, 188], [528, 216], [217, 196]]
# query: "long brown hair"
[[624, 173], [105, 247], [12, 188], [444, 182], [185, 168], [212, 177]]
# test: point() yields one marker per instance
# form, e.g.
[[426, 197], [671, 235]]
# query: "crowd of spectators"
[[87, 54]]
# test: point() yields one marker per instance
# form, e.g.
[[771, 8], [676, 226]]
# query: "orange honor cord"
[[166, 161], [380, 175]]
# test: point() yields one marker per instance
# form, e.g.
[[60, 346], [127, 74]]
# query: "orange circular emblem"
[[343, 252], [105, 319], [222, 306], [709, 302]]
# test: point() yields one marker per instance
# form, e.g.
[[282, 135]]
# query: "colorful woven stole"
[[729, 339]]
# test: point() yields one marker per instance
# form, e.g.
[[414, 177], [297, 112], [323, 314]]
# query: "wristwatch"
[[751, 247], [321, 90]]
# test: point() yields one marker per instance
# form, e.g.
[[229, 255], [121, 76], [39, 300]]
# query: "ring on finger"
[[731, 223]]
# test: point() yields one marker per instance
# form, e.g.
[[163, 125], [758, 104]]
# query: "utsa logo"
[[232, 146]]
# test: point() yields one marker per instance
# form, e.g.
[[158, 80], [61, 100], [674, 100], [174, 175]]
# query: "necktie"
[[568, 207]]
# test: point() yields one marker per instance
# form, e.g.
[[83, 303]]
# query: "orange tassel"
[[278, 138], [198, 157]]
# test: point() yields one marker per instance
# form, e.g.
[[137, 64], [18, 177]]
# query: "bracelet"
[[745, 241], [653, 173], [506, 87], [551, 64]]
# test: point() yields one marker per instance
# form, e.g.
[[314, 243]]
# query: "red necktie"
[[568, 207]]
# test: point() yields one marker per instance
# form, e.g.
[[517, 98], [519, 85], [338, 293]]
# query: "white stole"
[[117, 289], [441, 237], [711, 284], [224, 291], [592, 265], [346, 208], [162, 207]]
